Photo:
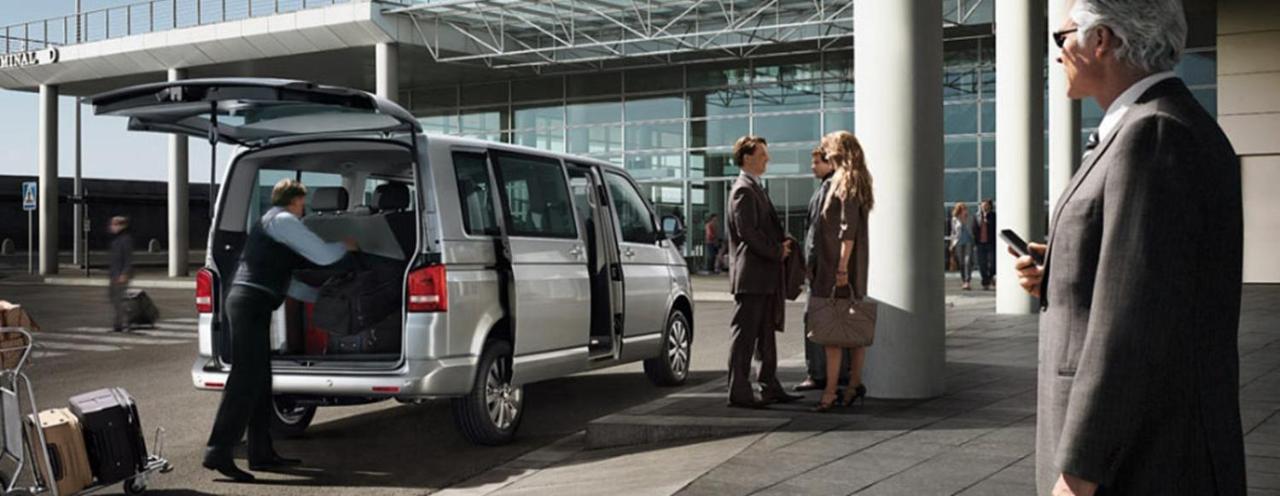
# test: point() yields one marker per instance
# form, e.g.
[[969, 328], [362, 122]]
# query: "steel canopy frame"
[[537, 33]]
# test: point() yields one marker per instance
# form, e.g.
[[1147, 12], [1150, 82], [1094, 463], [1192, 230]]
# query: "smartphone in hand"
[[1019, 245]]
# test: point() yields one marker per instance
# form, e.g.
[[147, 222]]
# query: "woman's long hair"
[[851, 181]]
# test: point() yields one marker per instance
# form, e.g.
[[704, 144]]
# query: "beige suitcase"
[[66, 449]]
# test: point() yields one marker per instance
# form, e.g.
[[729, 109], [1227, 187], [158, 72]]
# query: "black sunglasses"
[[1060, 37]]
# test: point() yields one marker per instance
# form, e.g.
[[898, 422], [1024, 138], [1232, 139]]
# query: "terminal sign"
[[24, 59]]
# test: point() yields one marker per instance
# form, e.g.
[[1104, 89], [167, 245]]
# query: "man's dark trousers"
[[753, 333], [987, 262], [116, 292], [246, 402]]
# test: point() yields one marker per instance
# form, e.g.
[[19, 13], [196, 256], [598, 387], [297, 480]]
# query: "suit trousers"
[[753, 332], [116, 292], [987, 262], [246, 401]]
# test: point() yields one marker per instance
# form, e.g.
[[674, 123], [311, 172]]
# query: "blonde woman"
[[962, 243], [840, 250]]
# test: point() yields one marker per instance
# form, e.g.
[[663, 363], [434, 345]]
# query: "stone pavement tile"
[[845, 475], [1253, 448], [948, 473], [1264, 481], [1017, 438], [1262, 465], [948, 433], [838, 443], [755, 469], [1263, 492], [992, 487], [1021, 472]]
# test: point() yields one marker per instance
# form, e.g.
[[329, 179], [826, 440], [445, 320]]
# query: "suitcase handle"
[[55, 462]]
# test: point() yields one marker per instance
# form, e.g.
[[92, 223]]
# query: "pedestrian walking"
[[841, 256], [1139, 368], [758, 248], [985, 235], [815, 358], [120, 272], [711, 243], [962, 243], [277, 244]]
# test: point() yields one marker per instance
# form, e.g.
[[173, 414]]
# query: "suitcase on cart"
[[139, 309], [66, 450], [112, 433]]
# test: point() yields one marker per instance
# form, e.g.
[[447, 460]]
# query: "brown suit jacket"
[[755, 241]]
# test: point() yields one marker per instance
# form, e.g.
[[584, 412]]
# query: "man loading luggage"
[[277, 245]]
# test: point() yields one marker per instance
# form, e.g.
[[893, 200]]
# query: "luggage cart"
[[17, 448]]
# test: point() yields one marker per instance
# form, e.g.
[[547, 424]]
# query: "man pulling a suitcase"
[[121, 270], [277, 244]]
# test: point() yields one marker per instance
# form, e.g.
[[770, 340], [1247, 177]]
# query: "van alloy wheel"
[[289, 418], [502, 400], [678, 348]]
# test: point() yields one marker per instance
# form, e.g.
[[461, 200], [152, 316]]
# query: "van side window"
[[634, 217], [475, 193], [537, 196]]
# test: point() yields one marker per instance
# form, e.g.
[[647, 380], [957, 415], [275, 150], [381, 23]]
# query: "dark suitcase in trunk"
[[139, 308], [112, 433]]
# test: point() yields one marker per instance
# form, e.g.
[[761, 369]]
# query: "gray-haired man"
[[1139, 371]]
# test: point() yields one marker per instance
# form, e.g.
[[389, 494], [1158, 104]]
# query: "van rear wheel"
[[288, 418], [671, 368], [490, 414]]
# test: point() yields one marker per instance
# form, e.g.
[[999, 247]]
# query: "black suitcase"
[[139, 309], [112, 433]]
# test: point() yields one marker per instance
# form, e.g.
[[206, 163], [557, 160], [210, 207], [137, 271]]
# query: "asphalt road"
[[383, 448]]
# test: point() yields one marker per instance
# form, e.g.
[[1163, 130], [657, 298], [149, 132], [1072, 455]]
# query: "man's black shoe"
[[272, 462], [781, 397], [809, 384], [219, 460], [751, 405]]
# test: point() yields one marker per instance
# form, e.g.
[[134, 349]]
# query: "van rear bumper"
[[420, 378]]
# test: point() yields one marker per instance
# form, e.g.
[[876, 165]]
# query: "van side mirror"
[[673, 227]]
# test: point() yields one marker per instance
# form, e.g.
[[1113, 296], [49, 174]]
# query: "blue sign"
[[29, 196]]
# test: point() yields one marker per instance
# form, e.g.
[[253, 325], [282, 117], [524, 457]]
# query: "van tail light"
[[427, 290], [204, 291]]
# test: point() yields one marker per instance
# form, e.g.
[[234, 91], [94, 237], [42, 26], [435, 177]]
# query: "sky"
[[109, 151]]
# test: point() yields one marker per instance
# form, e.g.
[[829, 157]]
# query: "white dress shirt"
[[289, 230], [1126, 99]]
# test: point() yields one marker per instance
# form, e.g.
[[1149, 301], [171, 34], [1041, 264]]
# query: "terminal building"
[[663, 88]]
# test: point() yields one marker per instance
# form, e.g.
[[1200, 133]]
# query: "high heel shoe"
[[825, 405], [858, 393]]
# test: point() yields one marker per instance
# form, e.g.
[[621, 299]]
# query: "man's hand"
[[1030, 274], [786, 247], [842, 279], [1070, 485], [351, 244], [122, 279]]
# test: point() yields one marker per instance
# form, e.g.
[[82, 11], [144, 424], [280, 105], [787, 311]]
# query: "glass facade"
[[672, 127]]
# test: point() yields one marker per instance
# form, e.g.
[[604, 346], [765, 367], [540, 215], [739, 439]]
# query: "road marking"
[[190, 336], [177, 327], [183, 320], [47, 354], [114, 338], [58, 345]]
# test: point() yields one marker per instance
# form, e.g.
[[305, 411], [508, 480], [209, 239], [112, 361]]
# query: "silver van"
[[519, 265]]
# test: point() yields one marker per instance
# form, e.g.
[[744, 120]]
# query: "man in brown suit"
[[757, 247]]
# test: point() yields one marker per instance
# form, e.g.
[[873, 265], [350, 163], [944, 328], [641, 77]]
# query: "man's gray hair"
[[1152, 33]]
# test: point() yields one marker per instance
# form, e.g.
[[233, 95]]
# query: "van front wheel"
[[288, 418], [671, 368], [490, 414]]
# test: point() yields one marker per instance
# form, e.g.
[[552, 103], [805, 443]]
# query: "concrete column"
[[898, 69], [1020, 56], [1064, 116], [48, 165], [179, 200], [387, 66]]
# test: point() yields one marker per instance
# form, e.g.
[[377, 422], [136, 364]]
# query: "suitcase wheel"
[[137, 485]]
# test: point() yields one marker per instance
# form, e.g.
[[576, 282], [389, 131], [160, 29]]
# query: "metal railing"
[[139, 18]]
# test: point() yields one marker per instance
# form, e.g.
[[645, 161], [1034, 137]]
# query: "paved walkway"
[[976, 439]]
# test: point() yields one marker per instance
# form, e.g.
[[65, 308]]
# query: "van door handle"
[[629, 253], [577, 252]]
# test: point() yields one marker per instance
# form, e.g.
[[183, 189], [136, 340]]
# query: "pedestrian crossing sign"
[[29, 196]]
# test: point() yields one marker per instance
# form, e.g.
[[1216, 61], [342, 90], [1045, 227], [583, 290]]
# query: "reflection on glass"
[[785, 160], [717, 132], [959, 84], [539, 117], [1198, 68], [788, 128], [597, 139], [838, 121], [655, 108], [960, 153], [482, 122], [716, 103], [960, 187], [988, 185], [655, 166], [788, 97], [960, 118], [607, 112], [654, 136], [989, 116], [838, 94], [444, 123], [719, 74], [712, 163], [989, 152], [551, 139], [792, 68]]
